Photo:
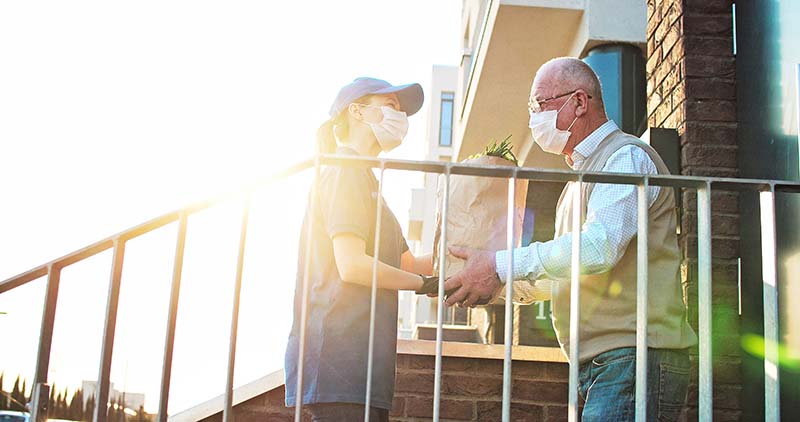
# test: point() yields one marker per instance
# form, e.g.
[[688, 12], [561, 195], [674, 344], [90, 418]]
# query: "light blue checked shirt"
[[609, 227]]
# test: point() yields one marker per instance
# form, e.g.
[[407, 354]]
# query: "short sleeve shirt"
[[337, 331]]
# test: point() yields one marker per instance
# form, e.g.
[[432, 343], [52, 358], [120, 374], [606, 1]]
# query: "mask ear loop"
[[573, 122], [562, 107]]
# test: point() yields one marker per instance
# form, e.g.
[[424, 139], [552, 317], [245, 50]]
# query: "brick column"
[[691, 87]]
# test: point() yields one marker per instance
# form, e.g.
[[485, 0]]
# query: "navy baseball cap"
[[410, 95]]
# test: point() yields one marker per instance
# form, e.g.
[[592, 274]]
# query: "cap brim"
[[411, 96]]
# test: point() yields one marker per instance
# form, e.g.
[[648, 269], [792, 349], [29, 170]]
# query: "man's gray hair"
[[571, 73]]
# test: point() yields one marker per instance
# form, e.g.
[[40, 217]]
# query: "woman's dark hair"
[[335, 128]]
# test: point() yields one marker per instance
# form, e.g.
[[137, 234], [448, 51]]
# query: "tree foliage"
[[76, 407]]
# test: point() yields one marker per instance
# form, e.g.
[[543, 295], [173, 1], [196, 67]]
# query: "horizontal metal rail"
[[527, 173], [703, 186], [552, 175], [146, 227]]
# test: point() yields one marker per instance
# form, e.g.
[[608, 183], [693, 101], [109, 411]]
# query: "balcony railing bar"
[[437, 369], [147, 227], [172, 318], [107, 349], [552, 175], [705, 383], [641, 299], [534, 174], [771, 316], [298, 410], [227, 414], [374, 293], [574, 301], [508, 329], [46, 335]]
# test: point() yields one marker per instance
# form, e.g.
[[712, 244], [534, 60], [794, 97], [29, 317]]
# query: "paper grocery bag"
[[477, 213]]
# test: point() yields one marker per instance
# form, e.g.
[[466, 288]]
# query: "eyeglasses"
[[535, 106]]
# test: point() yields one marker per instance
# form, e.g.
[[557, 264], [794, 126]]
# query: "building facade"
[[669, 74]]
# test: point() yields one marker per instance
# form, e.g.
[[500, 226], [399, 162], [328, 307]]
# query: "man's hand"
[[477, 282]]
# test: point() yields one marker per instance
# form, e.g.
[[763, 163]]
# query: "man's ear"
[[583, 103]]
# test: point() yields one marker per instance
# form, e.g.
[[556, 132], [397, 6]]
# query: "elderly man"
[[567, 117]]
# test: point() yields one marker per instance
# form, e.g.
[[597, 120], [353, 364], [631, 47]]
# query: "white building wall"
[[416, 309], [444, 79]]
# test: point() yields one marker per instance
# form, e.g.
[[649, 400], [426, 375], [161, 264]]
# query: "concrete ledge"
[[480, 351]]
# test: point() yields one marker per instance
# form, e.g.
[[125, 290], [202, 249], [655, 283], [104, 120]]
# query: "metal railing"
[[703, 186]]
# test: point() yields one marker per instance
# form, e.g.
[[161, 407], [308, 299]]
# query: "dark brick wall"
[[472, 390], [265, 407], [691, 87]]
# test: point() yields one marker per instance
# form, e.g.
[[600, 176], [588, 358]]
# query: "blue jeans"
[[608, 385]]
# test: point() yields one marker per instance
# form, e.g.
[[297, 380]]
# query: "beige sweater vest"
[[608, 300]]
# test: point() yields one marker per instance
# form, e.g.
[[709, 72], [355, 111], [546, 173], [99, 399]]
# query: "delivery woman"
[[367, 117]]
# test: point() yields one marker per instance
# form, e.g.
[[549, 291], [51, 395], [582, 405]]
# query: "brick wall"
[[691, 87], [471, 391]]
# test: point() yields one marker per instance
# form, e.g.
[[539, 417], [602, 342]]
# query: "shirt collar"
[[589, 144]]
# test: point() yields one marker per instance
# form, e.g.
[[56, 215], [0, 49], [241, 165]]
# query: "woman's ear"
[[355, 111]]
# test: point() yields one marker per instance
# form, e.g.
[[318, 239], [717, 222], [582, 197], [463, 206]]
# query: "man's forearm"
[[526, 263], [551, 259]]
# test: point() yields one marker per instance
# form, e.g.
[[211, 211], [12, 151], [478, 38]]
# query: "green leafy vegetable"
[[502, 150]]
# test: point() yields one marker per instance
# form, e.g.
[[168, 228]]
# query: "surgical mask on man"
[[391, 130], [545, 133]]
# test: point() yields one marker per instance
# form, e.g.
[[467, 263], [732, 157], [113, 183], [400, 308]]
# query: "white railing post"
[[641, 300], [508, 331], [705, 386], [298, 410], [374, 293], [574, 301], [437, 375], [227, 411], [772, 392]]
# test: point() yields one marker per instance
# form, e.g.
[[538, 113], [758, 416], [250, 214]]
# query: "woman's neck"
[[363, 145]]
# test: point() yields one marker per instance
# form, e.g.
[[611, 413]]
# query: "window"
[[446, 120]]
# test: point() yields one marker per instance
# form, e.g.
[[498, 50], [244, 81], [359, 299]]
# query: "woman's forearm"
[[359, 271], [355, 266], [417, 265]]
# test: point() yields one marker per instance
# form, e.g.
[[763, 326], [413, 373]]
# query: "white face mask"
[[391, 130], [546, 134]]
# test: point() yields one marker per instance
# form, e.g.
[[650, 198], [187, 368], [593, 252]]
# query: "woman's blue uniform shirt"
[[337, 334]]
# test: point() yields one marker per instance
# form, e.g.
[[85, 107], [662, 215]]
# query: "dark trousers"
[[345, 412]]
